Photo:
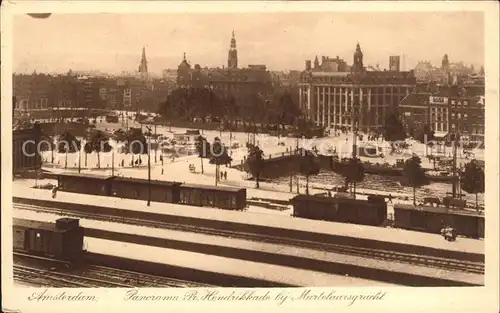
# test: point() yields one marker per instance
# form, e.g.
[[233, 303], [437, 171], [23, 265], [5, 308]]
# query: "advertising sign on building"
[[438, 100]]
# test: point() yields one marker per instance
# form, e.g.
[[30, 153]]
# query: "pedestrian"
[[54, 192], [123, 163], [225, 175], [390, 198]]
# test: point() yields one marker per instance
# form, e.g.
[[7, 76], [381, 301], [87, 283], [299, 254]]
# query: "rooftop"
[[142, 181], [439, 209], [81, 175], [221, 188], [36, 225]]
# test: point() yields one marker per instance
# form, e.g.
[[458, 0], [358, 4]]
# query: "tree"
[[424, 133], [415, 174], [353, 171], [304, 127], [87, 148], [68, 143], [308, 166], [219, 156], [472, 178], [49, 145], [286, 110], [203, 149], [99, 141], [255, 162], [393, 129]]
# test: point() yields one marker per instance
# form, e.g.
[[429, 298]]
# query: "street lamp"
[[112, 161], [149, 166], [80, 158], [455, 139]]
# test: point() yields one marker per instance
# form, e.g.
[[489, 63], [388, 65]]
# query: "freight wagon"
[[161, 191], [432, 219], [98, 185], [213, 196], [61, 240], [135, 188], [345, 210]]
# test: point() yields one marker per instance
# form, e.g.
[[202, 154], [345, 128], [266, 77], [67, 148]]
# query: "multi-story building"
[[31, 91], [445, 114], [467, 117], [414, 111], [230, 81], [337, 98], [439, 115]]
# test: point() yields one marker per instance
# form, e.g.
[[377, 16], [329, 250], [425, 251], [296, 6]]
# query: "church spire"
[[143, 66], [232, 58], [358, 59]]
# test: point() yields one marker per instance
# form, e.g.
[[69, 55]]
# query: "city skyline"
[[112, 43]]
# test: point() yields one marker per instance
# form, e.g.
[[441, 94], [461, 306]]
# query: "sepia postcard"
[[241, 156]]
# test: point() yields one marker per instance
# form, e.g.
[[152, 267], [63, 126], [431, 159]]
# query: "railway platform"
[[366, 264], [384, 238]]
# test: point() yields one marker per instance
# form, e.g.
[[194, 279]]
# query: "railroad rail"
[[385, 255], [91, 276], [33, 274]]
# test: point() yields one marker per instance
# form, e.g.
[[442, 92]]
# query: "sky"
[[113, 43]]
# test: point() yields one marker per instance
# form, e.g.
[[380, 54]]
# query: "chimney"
[[308, 65]]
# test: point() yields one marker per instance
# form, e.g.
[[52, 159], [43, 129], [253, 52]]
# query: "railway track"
[[58, 279], [92, 276], [385, 255], [139, 279]]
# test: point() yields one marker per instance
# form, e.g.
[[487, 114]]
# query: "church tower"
[[143, 67], [445, 63], [232, 58], [358, 60]]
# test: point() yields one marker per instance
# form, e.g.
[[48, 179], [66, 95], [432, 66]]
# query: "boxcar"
[[85, 183], [62, 240], [213, 196], [342, 210], [135, 188], [432, 219]]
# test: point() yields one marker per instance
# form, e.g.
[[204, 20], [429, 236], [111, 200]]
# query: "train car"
[[339, 209], [136, 188], [432, 219], [62, 239], [85, 183], [213, 196]]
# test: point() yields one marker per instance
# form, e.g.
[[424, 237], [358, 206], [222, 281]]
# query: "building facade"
[[230, 81], [25, 155], [445, 115], [467, 117], [336, 99]]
